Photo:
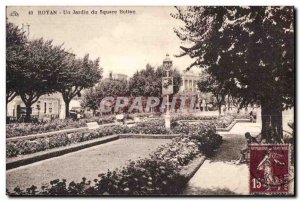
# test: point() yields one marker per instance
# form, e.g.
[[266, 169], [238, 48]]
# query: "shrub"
[[204, 134], [207, 142], [11, 150], [151, 127], [180, 151]]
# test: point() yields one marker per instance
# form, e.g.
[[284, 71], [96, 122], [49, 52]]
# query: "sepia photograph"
[[150, 101]]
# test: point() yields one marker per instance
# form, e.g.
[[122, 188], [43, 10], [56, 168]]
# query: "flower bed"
[[190, 117], [144, 115], [23, 129], [220, 122], [23, 147], [224, 121], [28, 146], [241, 116], [159, 174]]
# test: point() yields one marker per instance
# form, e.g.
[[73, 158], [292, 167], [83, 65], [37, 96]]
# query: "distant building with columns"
[[189, 83], [118, 76], [189, 87]]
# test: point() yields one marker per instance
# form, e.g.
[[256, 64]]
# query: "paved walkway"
[[241, 128], [219, 175]]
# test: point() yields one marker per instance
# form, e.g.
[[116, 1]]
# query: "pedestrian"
[[251, 116], [244, 151]]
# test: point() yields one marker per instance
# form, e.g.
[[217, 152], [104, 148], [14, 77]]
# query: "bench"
[[92, 125], [129, 122]]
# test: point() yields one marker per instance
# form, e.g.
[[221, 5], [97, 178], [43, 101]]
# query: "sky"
[[125, 43]]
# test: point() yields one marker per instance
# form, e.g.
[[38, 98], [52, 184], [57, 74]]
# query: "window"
[[50, 107]]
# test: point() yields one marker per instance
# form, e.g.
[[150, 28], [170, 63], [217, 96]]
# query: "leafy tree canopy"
[[79, 73], [251, 49], [148, 82], [15, 57]]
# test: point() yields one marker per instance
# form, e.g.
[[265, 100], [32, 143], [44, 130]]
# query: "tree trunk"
[[6, 110], [29, 101], [28, 112], [228, 102], [67, 104], [68, 95], [218, 103], [271, 115], [220, 108]]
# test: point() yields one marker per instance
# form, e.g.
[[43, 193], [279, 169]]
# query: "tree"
[[90, 100], [39, 72], [148, 82], [15, 50], [253, 48], [211, 85], [105, 88], [79, 74], [111, 88]]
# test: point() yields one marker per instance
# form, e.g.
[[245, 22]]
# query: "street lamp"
[[167, 88]]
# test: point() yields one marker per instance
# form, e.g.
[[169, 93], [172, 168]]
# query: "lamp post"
[[167, 89]]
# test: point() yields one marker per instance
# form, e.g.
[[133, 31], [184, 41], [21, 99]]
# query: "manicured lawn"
[[85, 163]]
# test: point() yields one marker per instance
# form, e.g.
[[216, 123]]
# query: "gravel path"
[[85, 163]]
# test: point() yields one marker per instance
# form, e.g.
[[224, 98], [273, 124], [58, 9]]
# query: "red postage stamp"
[[269, 169]]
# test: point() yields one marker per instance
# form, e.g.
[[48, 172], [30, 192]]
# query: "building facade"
[[118, 76], [189, 83], [189, 87], [47, 107]]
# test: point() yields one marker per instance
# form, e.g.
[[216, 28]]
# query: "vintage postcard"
[[150, 101]]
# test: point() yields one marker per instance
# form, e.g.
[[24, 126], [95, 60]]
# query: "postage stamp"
[[269, 169]]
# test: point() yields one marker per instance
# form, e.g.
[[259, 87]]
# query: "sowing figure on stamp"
[[267, 165]]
